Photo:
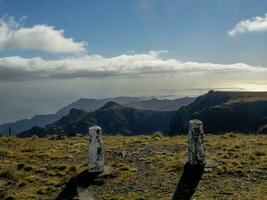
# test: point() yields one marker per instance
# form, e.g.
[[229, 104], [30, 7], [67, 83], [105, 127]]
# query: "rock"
[[210, 166], [84, 194], [124, 153], [108, 172]]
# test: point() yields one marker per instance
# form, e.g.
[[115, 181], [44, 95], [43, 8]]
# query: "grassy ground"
[[36, 168]]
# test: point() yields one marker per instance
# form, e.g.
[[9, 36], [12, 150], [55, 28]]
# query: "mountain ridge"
[[87, 104], [222, 112], [112, 117], [161, 105]]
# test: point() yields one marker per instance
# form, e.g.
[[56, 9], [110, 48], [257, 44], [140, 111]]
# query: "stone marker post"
[[95, 150], [196, 148], [78, 185], [9, 131], [194, 168]]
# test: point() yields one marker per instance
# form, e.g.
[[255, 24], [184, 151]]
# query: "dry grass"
[[38, 168]]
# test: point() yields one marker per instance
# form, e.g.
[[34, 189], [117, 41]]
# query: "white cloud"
[[256, 24], [97, 66], [39, 37]]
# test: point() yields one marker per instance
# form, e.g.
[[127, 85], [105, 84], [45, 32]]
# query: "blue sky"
[[54, 52], [190, 30]]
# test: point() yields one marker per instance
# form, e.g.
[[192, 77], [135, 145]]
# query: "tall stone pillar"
[[95, 150], [196, 148], [194, 168]]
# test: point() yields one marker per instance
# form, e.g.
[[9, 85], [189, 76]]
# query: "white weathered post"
[[196, 148], [78, 185], [95, 150], [194, 167]]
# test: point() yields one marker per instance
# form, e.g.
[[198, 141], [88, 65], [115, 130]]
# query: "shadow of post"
[[77, 184], [189, 181]]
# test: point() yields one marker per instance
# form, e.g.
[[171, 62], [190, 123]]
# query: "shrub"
[[220, 171], [20, 166], [60, 167], [252, 157], [174, 168], [124, 167], [41, 170], [9, 198], [60, 174], [231, 135], [52, 137], [32, 178], [99, 181], [50, 189], [30, 150], [22, 184], [157, 135], [34, 137], [68, 157], [4, 152], [57, 137], [27, 168], [9, 173], [259, 153], [41, 190], [72, 169]]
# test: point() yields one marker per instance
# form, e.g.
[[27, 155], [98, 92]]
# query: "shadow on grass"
[[77, 186]]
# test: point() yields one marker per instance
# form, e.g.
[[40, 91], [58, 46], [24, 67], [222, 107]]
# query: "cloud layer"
[[97, 66], [39, 37], [256, 24]]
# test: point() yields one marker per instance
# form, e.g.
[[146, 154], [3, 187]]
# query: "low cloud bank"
[[97, 66]]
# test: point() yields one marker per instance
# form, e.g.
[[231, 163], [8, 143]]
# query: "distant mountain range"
[[113, 118], [90, 105], [220, 112], [161, 105]]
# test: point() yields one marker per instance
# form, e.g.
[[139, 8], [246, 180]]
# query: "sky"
[[55, 52]]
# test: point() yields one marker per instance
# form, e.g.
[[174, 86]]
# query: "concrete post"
[[196, 148], [95, 150], [194, 168], [77, 186], [9, 131]]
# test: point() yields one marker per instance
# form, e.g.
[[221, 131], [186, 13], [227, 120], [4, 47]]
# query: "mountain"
[[24, 124], [90, 105], [222, 112], [112, 117], [42, 120], [161, 104]]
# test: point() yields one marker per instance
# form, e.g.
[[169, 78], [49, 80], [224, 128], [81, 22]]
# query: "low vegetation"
[[145, 167]]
